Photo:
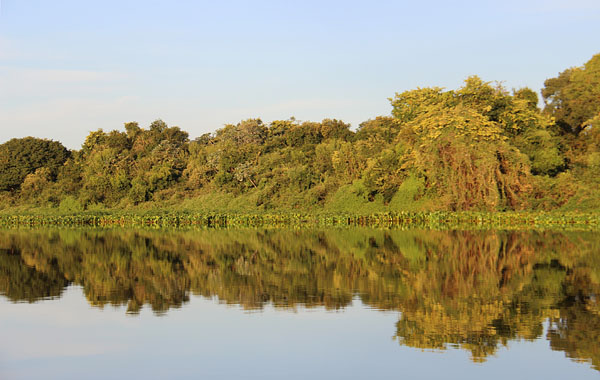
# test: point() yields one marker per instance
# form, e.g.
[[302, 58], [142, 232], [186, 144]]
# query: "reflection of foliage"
[[576, 327], [577, 332], [474, 290], [20, 282]]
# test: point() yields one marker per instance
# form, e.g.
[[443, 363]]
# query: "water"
[[339, 303]]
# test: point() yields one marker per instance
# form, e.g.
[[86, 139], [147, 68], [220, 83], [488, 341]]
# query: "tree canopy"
[[22, 157], [573, 97], [477, 147]]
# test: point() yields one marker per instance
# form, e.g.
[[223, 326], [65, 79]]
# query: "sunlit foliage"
[[480, 147]]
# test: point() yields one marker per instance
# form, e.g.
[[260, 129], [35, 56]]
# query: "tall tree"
[[573, 97], [20, 157]]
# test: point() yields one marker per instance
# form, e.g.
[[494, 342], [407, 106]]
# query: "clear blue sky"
[[70, 67]]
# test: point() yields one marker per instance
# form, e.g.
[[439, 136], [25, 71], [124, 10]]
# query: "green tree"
[[21, 157], [573, 97]]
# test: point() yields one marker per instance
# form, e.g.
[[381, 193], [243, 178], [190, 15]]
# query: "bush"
[[70, 205]]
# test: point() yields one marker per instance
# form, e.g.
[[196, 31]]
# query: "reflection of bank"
[[474, 290]]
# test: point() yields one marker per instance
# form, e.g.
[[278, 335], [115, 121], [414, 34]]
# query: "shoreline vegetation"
[[477, 155], [439, 220]]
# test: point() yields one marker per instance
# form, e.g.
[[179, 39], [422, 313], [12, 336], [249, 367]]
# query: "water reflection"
[[473, 290]]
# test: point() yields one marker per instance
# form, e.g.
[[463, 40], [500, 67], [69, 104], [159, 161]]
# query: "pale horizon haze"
[[71, 67]]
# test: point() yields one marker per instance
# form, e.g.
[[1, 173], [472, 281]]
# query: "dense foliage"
[[24, 161], [479, 147]]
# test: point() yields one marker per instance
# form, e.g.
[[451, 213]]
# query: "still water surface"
[[338, 303]]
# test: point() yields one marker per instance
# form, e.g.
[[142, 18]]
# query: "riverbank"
[[423, 220]]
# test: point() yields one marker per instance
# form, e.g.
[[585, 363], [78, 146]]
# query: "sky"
[[69, 67]]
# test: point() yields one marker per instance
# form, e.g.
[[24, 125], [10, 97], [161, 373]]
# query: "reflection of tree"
[[111, 270], [576, 328], [468, 293], [20, 282], [474, 290]]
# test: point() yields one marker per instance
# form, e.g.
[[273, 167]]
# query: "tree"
[[21, 157], [382, 128], [573, 97], [458, 141]]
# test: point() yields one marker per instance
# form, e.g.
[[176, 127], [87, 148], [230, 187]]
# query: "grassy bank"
[[426, 220]]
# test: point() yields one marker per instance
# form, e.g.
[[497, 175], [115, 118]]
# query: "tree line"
[[479, 147]]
